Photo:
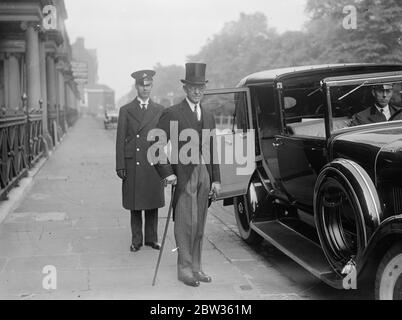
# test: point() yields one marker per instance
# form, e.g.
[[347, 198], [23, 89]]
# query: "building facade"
[[87, 56], [95, 98], [99, 98], [38, 94]]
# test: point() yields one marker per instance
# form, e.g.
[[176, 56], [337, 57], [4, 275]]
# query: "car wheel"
[[339, 224], [388, 283], [243, 217]]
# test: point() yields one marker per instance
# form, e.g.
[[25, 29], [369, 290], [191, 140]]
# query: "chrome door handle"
[[277, 143]]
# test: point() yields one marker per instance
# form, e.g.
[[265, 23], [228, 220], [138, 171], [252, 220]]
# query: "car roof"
[[326, 70]]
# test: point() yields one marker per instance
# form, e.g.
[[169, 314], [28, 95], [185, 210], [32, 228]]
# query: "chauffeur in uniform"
[[194, 181], [142, 189], [382, 110]]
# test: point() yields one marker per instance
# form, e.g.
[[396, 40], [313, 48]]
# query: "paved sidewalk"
[[72, 219]]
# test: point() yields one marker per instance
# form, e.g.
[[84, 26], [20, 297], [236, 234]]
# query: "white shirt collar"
[[192, 106], [386, 111], [146, 102]]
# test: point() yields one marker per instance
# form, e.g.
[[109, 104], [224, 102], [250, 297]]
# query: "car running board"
[[300, 249]]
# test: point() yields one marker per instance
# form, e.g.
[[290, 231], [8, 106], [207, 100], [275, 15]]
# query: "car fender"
[[389, 230]]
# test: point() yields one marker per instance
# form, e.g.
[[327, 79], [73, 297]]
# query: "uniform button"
[[138, 149], [138, 163], [138, 135]]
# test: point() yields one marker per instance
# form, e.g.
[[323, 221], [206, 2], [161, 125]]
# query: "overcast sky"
[[132, 34]]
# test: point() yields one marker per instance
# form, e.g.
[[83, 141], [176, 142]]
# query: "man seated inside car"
[[381, 110]]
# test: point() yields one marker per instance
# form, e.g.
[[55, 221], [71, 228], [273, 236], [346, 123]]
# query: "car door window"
[[349, 101], [235, 138], [229, 110], [268, 120], [304, 112]]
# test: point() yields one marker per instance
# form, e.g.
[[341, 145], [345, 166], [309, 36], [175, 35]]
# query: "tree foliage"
[[377, 38], [167, 82], [249, 44], [239, 48]]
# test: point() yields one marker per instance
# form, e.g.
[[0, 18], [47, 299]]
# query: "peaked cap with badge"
[[143, 76]]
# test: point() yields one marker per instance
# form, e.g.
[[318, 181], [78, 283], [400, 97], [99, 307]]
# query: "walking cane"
[[164, 234]]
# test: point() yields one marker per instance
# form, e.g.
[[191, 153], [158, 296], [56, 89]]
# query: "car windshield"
[[362, 104]]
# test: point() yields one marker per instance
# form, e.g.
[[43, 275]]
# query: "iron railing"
[[14, 155], [35, 138], [21, 146], [52, 125], [22, 142]]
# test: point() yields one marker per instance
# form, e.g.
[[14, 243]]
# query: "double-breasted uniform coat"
[[143, 188]]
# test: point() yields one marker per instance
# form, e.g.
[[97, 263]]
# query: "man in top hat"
[[143, 189], [195, 180], [382, 110]]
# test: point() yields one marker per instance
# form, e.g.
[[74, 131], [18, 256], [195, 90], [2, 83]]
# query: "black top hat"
[[143, 75], [195, 73]]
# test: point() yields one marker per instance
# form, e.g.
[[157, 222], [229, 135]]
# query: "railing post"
[[25, 107], [42, 134]]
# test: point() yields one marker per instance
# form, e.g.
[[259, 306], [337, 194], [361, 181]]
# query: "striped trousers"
[[190, 218]]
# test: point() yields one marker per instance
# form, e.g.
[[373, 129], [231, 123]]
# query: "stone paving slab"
[[98, 222], [27, 283], [144, 258], [3, 262], [37, 263]]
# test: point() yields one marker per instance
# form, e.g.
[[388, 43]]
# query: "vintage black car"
[[111, 119], [326, 193]]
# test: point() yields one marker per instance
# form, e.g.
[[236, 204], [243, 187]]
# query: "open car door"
[[235, 138]]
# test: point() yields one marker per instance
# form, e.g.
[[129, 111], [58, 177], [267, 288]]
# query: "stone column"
[[43, 74], [52, 87], [62, 91], [70, 101], [68, 96], [51, 82], [61, 94], [14, 85], [34, 90]]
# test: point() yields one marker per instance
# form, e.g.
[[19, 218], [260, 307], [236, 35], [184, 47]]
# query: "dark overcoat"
[[372, 115], [143, 189], [182, 114]]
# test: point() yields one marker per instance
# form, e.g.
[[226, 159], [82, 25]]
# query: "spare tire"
[[347, 212]]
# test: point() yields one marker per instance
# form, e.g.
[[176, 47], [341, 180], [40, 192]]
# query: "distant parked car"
[[326, 193], [111, 118]]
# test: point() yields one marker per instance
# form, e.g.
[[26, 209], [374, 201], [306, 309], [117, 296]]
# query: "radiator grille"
[[397, 198]]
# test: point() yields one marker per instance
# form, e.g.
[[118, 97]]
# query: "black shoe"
[[201, 276], [153, 245], [188, 281], [135, 248]]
